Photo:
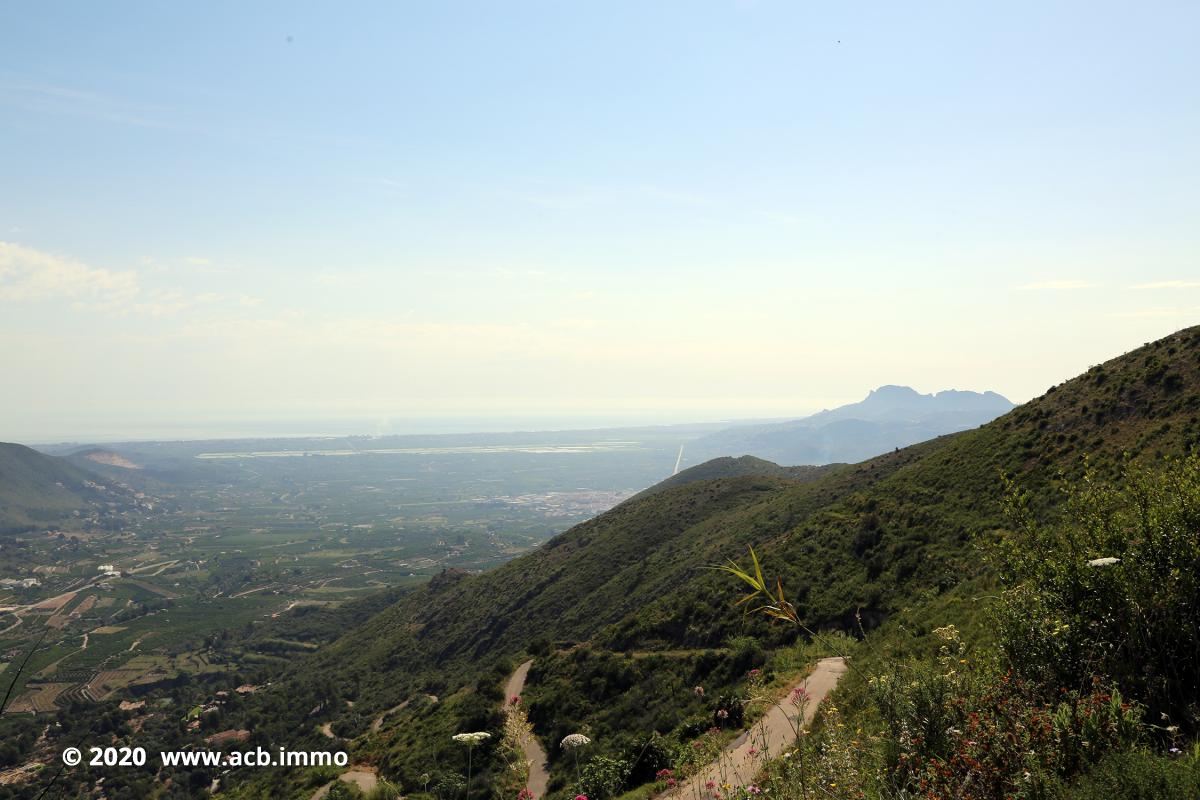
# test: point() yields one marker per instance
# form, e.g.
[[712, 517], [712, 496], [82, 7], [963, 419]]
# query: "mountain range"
[[889, 417]]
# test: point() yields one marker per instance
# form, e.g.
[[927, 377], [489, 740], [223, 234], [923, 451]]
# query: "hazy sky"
[[249, 211]]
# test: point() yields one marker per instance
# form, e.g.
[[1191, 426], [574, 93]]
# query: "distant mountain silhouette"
[[889, 417]]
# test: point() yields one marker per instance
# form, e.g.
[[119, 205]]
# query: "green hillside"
[[854, 544], [731, 467], [860, 537], [37, 490]]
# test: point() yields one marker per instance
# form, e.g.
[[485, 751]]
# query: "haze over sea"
[[398, 425]]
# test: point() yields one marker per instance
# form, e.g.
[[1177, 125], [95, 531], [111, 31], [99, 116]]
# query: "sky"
[[235, 216]]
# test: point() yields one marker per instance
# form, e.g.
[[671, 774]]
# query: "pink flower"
[[710, 784], [722, 714], [525, 794], [515, 700], [799, 695], [699, 690], [664, 773], [670, 783], [581, 797], [753, 751], [754, 673], [752, 789]]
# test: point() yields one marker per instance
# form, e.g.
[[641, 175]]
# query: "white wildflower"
[[471, 738], [574, 740], [1104, 562]]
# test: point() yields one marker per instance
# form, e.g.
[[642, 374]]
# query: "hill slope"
[[857, 542], [861, 536], [37, 490], [889, 417], [730, 467]]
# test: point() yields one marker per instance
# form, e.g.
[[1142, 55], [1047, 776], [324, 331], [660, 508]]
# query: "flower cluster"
[[471, 739], [571, 741]]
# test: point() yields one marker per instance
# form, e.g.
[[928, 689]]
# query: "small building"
[[19, 583], [225, 737]]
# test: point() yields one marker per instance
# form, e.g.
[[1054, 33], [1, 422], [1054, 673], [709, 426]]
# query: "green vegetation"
[[1089, 691], [731, 467], [1113, 592], [884, 547], [37, 490], [624, 617]]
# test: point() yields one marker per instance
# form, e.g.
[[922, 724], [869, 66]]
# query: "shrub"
[[1113, 592], [943, 740], [604, 777], [1139, 775], [650, 755]]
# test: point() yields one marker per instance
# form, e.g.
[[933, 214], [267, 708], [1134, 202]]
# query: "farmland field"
[[237, 536]]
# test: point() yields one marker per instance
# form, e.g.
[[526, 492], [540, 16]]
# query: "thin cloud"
[[68, 101], [1055, 286], [1155, 313], [570, 197], [28, 275], [1167, 285]]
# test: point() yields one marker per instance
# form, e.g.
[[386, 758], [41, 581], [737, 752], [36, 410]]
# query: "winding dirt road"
[[539, 778], [769, 737], [363, 777]]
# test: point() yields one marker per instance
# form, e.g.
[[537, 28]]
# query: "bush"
[[1139, 775], [946, 737], [1114, 592], [604, 777], [650, 754]]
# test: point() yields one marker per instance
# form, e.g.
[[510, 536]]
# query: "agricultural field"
[[227, 538]]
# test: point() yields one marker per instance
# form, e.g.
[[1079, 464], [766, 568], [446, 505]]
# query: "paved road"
[[539, 778], [770, 736]]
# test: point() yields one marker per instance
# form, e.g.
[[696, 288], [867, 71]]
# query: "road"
[[364, 777], [769, 737], [535, 756]]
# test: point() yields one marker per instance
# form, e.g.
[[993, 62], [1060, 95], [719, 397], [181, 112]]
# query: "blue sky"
[[214, 212]]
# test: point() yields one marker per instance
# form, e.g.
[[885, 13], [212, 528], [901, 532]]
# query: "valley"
[[600, 401], [202, 544], [382, 596]]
